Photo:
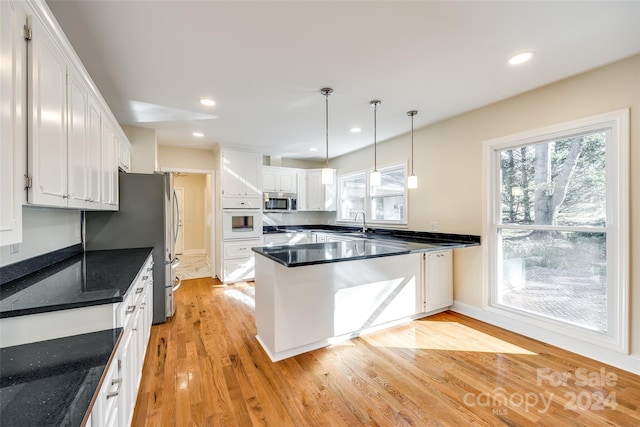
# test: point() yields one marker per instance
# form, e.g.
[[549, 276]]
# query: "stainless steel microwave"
[[279, 202]]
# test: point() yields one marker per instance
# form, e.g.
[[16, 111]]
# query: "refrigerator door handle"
[[179, 280], [177, 210]]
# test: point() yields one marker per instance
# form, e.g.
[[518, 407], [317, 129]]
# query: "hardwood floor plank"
[[205, 367]]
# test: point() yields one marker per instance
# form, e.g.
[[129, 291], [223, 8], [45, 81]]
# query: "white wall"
[[448, 162], [186, 158], [44, 230], [143, 148]]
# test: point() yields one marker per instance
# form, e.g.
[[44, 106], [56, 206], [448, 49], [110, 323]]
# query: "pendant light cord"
[[326, 92], [411, 114], [326, 126], [375, 104]]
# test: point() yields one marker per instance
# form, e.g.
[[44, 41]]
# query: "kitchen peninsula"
[[309, 296]]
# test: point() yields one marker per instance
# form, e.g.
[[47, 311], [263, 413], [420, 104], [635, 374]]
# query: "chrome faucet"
[[364, 220]]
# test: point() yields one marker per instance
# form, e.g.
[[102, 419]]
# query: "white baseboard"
[[627, 362]]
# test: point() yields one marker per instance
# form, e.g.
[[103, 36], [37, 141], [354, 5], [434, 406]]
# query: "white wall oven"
[[241, 224]]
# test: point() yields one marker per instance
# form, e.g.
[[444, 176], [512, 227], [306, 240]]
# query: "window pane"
[[387, 208], [560, 275], [352, 196], [559, 182], [392, 182]]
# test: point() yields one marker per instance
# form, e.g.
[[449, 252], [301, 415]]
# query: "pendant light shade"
[[375, 177], [412, 181], [327, 172]]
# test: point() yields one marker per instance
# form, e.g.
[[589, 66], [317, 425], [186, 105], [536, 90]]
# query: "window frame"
[[616, 123], [402, 223]]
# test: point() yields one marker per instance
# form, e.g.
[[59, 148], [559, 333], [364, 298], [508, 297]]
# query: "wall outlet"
[[434, 225], [14, 248]]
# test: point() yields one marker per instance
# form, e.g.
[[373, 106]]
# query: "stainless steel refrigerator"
[[146, 218]]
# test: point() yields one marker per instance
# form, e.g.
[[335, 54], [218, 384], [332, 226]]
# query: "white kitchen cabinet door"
[[94, 146], [47, 139], [313, 195], [253, 174], [232, 173], [241, 174], [78, 154], [280, 180], [124, 155], [109, 175], [12, 121], [438, 286]]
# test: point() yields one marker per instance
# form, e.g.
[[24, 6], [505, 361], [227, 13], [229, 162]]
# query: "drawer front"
[[241, 249], [238, 270]]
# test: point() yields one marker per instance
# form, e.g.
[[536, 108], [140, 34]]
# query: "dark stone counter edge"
[[265, 252], [22, 268], [377, 233], [60, 256], [35, 348], [58, 307]]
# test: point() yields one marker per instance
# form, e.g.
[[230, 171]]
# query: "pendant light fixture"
[[327, 172], [375, 178], [412, 181]]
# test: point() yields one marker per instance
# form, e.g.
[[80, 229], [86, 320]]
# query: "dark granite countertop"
[[368, 245], [86, 279], [52, 383]]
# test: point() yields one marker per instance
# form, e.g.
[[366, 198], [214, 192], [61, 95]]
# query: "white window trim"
[[399, 224], [617, 152]]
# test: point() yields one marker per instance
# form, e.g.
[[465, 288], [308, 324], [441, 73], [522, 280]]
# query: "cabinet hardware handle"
[[131, 309], [139, 290], [145, 277], [111, 394]]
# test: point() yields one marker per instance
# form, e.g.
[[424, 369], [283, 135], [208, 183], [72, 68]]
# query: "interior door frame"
[[212, 237]]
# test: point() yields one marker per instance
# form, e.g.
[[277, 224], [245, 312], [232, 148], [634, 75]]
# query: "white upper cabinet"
[[109, 176], [12, 121], [241, 174], [94, 145], [73, 139], [279, 180], [78, 150], [313, 195], [47, 143]]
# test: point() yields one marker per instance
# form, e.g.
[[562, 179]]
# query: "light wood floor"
[[205, 367]]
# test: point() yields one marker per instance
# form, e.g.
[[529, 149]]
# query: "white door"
[[179, 216]]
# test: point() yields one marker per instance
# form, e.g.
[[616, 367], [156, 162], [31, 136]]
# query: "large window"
[[557, 227], [383, 204]]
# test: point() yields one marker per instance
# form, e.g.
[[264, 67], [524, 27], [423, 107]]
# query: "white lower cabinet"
[[238, 262], [117, 396], [438, 280]]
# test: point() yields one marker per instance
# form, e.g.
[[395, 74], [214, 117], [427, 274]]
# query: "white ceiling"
[[264, 63]]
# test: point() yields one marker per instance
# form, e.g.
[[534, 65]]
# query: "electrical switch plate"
[[434, 225], [14, 248]]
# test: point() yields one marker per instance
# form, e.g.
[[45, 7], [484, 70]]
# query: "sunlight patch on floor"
[[439, 335], [248, 300]]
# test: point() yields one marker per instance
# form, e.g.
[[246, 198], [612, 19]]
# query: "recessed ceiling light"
[[198, 134], [208, 102], [521, 58], [313, 149], [355, 130]]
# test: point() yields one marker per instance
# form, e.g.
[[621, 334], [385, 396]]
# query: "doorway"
[[195, 201]]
